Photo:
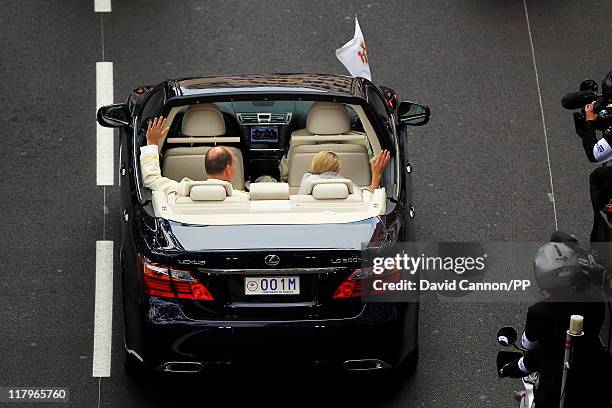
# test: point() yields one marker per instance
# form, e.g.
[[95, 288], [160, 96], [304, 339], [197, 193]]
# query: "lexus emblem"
[[272, 260]]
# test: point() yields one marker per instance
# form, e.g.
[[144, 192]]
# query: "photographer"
[[566, 289], [597, 151]]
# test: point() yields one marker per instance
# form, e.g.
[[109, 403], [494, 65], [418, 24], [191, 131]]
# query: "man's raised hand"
[[156, 130]]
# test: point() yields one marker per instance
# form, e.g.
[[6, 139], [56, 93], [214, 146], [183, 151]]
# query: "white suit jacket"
[[151, 173]]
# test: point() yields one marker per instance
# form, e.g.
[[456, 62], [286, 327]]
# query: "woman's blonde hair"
[[325, 161]]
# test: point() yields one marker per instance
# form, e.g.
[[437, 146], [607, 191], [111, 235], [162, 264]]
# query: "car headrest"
[[269, 191], [327, 189], [208, 193], [209, 190], [330, 191], [328, 118], [204, 120]]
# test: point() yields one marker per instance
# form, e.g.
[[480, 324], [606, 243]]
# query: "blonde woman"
[[326, 165]]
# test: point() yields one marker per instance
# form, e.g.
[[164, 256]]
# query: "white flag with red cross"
[[353, 55]]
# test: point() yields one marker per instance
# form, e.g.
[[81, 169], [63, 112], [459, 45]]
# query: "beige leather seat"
[[188, 162], [329, 190], [330, 196], [328, 128], [208, 197], [205, 122], [210, 191]]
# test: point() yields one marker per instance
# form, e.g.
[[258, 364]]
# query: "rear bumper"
[[384, 331]]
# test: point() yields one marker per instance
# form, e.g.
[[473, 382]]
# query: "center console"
[[266, 136]]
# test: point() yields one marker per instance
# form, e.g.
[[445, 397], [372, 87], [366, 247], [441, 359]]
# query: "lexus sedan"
[[211, 277]]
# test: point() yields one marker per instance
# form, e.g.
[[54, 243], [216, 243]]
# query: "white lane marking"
[[102, 6], [535, 67], [105, 137], [103, 318]]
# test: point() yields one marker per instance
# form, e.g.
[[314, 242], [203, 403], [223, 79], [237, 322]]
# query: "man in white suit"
[[218, 162]]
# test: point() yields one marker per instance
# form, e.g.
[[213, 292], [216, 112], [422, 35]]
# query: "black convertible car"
[[211, 278]]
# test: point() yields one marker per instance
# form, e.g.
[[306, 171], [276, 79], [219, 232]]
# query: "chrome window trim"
[[398, 166], [272, 271]]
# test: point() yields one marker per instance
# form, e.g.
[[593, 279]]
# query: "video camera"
[[589, 92]]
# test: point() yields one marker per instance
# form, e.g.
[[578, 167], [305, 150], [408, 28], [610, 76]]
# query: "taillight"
[[348, 289], [172, 283], [188, 287], [352, 286], [156, 279]]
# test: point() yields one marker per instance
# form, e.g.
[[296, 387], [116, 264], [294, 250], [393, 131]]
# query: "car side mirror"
[[506, 336], [413, 114], [116, 115]]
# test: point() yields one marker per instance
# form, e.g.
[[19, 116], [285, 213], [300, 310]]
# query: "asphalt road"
[[481, 168]]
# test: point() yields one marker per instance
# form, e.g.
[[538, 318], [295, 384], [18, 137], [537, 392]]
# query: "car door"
[[152, 104], [402, 194], [388, 139], [134, 198]]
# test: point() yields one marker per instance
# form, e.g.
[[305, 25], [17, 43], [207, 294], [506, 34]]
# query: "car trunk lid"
[[227, 258]]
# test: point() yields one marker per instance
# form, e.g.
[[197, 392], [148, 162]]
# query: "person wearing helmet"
[[597, 151], [565, 286]]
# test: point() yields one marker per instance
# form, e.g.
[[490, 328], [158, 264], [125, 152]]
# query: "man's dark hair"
[[217, 159]]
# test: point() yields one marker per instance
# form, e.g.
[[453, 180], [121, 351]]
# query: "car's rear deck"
[[199, 206]]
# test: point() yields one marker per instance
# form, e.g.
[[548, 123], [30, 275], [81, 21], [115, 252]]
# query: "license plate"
[[272, 285]]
